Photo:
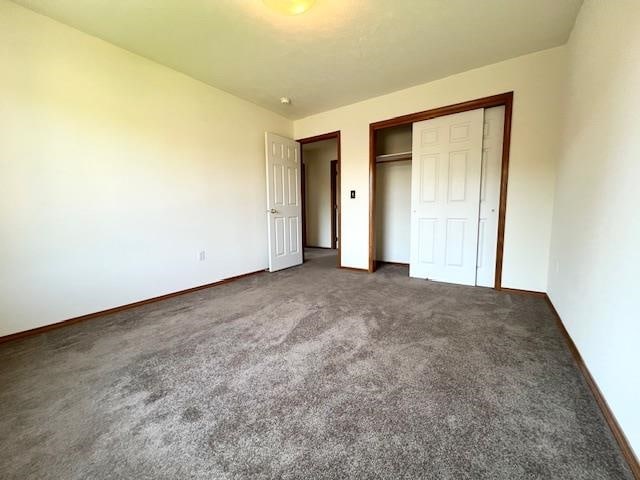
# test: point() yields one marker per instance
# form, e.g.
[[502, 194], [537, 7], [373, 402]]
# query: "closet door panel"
[[446, 197], [490, 195]]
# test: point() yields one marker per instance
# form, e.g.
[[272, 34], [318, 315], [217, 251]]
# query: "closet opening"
[[393, 195], [320, 191], [438, 191]]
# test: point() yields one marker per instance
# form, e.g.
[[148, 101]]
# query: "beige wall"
[[317, 160], [115, 172], [536, 80], [594, 267], [394, 140]]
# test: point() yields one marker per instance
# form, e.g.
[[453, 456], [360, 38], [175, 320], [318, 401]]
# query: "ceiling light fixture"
[[285, 100], [289, 7]]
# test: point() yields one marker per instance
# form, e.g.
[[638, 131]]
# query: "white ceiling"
[[339, 52]]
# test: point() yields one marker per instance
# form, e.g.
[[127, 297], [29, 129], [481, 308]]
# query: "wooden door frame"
[[319, 138], [503, 99], [303, 202], [334, 172]]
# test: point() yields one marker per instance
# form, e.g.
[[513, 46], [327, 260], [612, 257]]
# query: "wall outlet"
[[203, 256]]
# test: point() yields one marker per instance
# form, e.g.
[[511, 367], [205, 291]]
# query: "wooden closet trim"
[[318, 138], [334, 175], [503, 99]]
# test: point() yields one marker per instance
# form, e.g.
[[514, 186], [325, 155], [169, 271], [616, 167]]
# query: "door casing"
[[318, 138], [335, 178]]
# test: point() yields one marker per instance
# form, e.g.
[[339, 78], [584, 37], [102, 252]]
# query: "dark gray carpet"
[[313, 372]]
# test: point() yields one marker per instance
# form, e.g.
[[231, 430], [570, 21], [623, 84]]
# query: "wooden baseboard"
[[89, 316], [524, 292], [617, 432]]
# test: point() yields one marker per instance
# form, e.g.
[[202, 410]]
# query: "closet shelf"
[[393, 157]]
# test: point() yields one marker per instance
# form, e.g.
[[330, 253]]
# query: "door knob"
[[273, 210]]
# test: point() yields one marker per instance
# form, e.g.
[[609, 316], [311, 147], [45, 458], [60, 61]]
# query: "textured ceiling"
[[339, 52]]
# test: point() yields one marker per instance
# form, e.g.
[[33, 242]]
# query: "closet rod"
[[394, 157]]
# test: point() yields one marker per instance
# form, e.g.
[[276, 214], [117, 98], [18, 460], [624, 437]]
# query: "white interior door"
[[284, 207], [445, 197], [490, 196]]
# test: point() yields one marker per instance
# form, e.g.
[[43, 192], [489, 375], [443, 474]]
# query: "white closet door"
[[490, 196], [284, 207], [445, 197]]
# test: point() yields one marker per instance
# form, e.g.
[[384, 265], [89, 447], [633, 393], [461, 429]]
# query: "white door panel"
[[490, 195], [445, 195], [284, 209]]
